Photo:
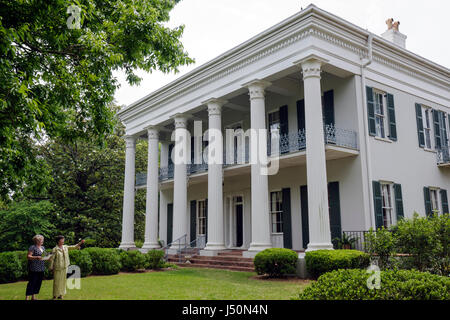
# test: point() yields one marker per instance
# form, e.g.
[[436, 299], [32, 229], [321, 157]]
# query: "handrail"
[[179, 250]]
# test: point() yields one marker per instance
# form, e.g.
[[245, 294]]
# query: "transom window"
[[380, 111], [276, 211], [201, 217], [388, 210]]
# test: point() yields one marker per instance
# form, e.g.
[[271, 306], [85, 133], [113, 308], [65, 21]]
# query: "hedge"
[[132, 260], [321, 261], [155, 259], [276, 262], [104, 260], [10, 267], [82, 259], [351, 284]]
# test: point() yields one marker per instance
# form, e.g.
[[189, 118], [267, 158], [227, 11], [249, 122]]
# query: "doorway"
[[238, 206]]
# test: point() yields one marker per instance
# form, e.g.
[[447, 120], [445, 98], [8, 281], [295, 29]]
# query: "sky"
[[215, 26]]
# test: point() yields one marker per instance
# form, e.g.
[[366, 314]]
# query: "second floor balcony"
[[443, 156]]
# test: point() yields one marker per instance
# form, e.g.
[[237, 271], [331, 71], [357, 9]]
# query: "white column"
[[180, 221], [316, 170], [259, 182], [151, 210], [128, 195], [163, 199], [215, 226]]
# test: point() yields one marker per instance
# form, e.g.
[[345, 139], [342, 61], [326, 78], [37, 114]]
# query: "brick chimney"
[[393, 34]]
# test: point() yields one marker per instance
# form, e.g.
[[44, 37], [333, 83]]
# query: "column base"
[[150, 245], [255, 248], [127, 245], [319, 246]]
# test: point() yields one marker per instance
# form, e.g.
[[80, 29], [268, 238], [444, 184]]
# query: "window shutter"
[[169, 222], [426, 195], [335, 210], [170, 162], [444, 201], [437, 130], [301, 114], [193, 220], [286, 206], [206, 205], [371, 111], [328, 107], [444, 140], [391, 117], [398, 201], [419, 120], [192, 150], [378, 204], [284, 125], [304, 212]]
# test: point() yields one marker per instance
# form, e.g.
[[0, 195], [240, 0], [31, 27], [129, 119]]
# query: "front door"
[[239, 210], [169, 222]]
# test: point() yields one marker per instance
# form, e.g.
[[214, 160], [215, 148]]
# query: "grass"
[[184, 283]]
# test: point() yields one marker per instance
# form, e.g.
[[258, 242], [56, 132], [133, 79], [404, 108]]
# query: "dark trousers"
[[34, 282]]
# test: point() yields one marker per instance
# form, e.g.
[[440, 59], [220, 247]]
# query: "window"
[[434, 200], [379, 101], [427, 125], [201, 216], [388, 216], [276, 211]]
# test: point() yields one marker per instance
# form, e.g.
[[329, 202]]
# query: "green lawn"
[[184, 283]]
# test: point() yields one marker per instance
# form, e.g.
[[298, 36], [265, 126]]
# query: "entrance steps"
[[227, 260]]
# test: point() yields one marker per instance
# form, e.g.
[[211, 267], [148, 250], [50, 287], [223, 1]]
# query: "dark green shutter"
[[444, 201], [286, 218], [169, 222], [334, 210], [304, 212], [426, 196], [284, 125], [437, 129], [171, 146], [301, 114], [328, 107], [206, 220], [444, 140], [398, 201], [192, 149], [371, 111], [419, 121], [193, 220], [391, 117], [378, 204]]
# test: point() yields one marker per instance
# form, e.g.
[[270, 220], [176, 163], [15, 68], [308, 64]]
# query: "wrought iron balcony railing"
[[443, 155]]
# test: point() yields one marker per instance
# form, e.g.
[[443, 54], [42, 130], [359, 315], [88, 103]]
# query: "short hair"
[[37, 238], [59, 238]]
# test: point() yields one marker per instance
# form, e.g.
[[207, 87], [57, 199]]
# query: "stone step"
[[231, 253], [222, 262], [226, 258], [198, 265]]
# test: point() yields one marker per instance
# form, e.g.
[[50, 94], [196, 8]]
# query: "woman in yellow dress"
[[59, 262]]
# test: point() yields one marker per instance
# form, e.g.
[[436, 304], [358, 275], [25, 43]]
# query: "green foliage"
[[351, 284], [82, 259], [22, 221], [345, 241], [104, 260], [380, 245], [10, 267], [58, 82], [155, 259], [22, 256], [276, 262], [321, 261], [132, 260]]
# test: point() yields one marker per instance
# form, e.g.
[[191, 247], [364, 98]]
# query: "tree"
[[56, 81]]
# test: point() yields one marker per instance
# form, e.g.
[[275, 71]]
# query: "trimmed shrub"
[[395, 285], [276, 262], [10, 267], [22, 256], [104, 260], [322, 261], [82, 259], [132, 260], [380, 245], [155, 259]]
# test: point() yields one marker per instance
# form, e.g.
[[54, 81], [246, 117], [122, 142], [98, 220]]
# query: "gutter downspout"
[[364, 64]]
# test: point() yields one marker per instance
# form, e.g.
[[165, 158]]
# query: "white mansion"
[[362, 130]]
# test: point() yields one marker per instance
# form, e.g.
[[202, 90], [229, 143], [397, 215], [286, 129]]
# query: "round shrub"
[[82, 259], [155, 259], [132, 260], [351, 284], [321, 261], [276, 262], [104, 260], [10, 267]]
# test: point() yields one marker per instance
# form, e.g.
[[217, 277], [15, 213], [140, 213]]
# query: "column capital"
[[256, 88], [215, 106], [180, 120], [152, 132], [130, 141], [311, 66]]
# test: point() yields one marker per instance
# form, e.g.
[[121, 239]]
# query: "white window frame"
[[201, 220], [435, 200], [276, 216], [388, 201], [427, 116], [382, 133]]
